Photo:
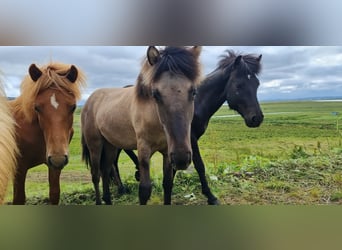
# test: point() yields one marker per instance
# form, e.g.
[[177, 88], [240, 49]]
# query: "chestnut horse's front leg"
[[19, 196], [167, 179], [54, 175], [145, 186]]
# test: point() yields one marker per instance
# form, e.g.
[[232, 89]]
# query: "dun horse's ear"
[[237, 61], [35, 72], [259, 58], [196, 50], [153, 55], [72, 74]]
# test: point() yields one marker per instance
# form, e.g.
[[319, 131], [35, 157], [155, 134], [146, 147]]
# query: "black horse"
[[235, 81]]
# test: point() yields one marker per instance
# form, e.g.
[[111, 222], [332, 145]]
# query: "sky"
[[289, 72]]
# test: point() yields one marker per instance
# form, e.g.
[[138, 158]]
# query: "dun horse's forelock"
[[176, 60], [249, 63]]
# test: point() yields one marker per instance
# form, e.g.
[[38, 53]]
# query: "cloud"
[[288, 72]]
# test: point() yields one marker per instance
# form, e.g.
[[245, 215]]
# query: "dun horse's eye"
[[193, 93], [156, 95]]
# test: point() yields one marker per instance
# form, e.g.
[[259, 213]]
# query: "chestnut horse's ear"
[[259, 58], [196, 50], [35, 72], [72, 74], [237, 61], [153, 55]]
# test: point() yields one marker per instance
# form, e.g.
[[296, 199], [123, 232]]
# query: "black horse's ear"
[[153, 55], [259, 58], [35, 72], [72, 74], [237, 61]]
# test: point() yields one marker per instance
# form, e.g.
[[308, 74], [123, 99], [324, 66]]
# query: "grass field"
[[293, 158]]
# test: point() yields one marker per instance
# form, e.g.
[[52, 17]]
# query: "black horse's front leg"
[[134, 158], [200, 168]]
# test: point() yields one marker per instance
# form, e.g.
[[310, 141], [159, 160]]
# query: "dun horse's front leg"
[[54, 194], [145, 187], [167, 179]]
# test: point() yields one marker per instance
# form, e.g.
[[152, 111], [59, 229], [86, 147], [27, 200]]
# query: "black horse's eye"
[[156, 95], [240, 86]]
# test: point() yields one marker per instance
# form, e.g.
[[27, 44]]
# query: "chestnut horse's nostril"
[[57, 161]]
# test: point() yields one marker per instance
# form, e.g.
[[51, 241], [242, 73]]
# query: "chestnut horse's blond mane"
[[8, 146], [53, 76]]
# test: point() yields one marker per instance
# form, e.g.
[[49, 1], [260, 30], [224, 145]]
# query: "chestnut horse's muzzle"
[[181, 161], [57, 161]]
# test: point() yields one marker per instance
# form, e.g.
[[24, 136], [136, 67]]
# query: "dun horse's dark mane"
[[249, 63], [176, 60]]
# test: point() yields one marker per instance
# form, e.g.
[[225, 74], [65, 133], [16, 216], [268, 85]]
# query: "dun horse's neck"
[[211, 95]]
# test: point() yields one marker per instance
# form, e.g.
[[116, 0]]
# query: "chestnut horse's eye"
[[73, 108], [37, 108]]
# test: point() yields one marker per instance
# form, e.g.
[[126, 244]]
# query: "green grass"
[[293, 158]]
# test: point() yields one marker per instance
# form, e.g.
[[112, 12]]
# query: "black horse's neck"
[[210, 97]]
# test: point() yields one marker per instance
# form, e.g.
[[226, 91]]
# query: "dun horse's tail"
[[85, 152], [8, 147]]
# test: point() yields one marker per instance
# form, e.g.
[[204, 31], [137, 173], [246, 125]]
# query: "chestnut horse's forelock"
[[53, 75]]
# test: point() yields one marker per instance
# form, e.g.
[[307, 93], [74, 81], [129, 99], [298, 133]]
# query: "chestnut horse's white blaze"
[[53, 101]]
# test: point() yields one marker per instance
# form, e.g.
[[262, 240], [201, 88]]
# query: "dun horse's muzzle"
[[58, 161], [181, 161]]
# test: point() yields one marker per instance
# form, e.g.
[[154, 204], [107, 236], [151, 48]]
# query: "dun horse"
[[235, 81], [153, 115], [8, 146], [44, 116]]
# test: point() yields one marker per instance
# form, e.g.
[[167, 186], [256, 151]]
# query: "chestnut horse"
[[44, 116], [153, 115], [8, 146], [234, 81]]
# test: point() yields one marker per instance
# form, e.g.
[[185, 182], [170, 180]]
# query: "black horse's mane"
[[249, 64]]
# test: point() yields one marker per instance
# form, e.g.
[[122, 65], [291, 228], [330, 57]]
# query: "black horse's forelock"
[[250, 64], [177, 61]]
